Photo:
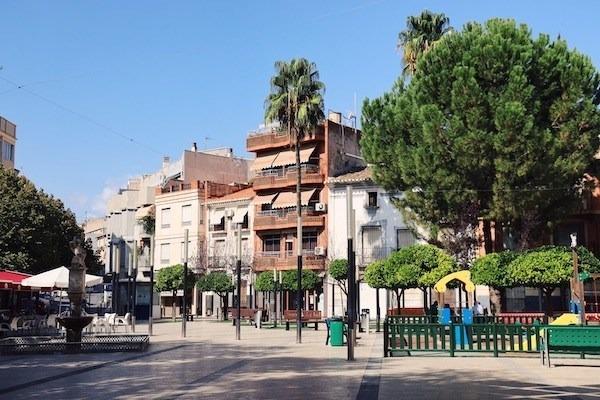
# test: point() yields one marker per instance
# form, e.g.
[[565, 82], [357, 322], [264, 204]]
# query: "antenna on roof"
[[206, 139]]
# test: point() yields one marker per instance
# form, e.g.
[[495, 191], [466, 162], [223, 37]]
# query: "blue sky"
[[165, 74]]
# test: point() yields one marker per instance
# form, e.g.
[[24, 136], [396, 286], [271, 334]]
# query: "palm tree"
[[296, 101], [420, 35]]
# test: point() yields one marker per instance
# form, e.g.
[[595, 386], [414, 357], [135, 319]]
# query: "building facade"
[[224, 216], [129, 242], [8, 142], [332, 148], [379, 230], [180, 207]]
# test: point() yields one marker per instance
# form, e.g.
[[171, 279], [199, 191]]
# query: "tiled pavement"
[[268, 364]]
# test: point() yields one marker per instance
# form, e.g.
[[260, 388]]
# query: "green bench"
[[572, 339]]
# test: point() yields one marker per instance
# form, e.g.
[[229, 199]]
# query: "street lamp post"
[[350, 300], [151, 286], [275, 296], [238, 324], [577, 288], [185, 273]]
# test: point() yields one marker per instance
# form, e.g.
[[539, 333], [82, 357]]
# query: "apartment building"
[[8, 141], [331, 149], [225, 214], [94, 230], [125, 210], [180, 207]]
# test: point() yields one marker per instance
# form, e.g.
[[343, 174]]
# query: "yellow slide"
[[565, 319]]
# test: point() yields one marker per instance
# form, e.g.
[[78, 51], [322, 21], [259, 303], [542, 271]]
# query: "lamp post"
[[577, 289], [350, 299], [275, 296], [151, 286], [185, 273], [238, 323]]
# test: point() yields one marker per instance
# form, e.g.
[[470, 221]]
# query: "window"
[[309, 241], [372, 200], [404, 238], [165, 218], [165, 255], [271, 243], [245, 221], [186, 215], [8, 151]]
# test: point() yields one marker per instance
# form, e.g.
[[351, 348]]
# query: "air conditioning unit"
[[229, 213], [321, 207], [319, 251]]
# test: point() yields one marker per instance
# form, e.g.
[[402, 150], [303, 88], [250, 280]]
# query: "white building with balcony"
[[225, 214], [379, 230]]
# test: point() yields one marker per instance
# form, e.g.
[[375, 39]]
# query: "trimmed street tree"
[[375, 277], [296, 102], [547, 268], [36, 228], [338, 270], [492, 270], [494, 125], [170, 279], [310, 280], [221, 284], [264, 282]]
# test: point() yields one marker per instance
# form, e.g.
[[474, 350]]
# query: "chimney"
[[335, 117], [194, 147], [166, 162]]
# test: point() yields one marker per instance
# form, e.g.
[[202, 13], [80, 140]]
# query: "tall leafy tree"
[[221, 284], [36, 228], [494, 126], [421, 34], [296, 102]]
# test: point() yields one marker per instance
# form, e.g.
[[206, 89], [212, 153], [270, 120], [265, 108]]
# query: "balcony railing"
[[272, 137], [268, 260], [283, 177], [286, 218]]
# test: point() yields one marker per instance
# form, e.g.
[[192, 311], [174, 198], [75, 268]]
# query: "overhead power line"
[[81, 116]]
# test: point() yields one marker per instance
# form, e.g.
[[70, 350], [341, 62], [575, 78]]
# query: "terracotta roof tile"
[[364, 175], [243, 194]]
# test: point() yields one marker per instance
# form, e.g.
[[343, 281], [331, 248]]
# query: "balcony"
[[268, 260], [270, 138], [284, 177], [282, 219]]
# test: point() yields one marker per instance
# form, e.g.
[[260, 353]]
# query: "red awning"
[[11, 279]]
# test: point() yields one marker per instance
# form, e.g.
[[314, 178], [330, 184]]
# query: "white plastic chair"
[[16, 324], [110, 318], [123, 321]]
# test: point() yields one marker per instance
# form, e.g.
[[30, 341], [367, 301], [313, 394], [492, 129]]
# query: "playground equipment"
[[563, 320], [461, 332]]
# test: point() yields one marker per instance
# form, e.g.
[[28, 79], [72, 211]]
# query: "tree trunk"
[[495, 300], [548, 293], [299, 238], [487, 237], [398, 299], [225, 306], [174, 308]]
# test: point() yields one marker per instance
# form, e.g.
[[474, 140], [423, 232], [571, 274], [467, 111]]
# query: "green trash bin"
[[336, 328]]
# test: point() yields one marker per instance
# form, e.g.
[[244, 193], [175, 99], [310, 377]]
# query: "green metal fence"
[[455, 338]]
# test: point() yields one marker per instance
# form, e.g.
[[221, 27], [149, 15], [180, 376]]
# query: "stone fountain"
[[75, 323]]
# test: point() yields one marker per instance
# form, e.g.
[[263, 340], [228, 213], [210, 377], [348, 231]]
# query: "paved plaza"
[[267, 364]]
